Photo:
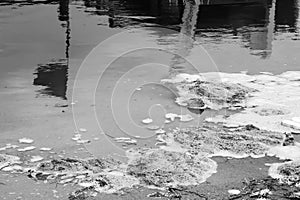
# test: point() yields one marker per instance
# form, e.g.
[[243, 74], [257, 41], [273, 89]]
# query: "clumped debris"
[[287, 173], [182, 118], [147, 121], [209, 139], [8, 160], [161, 168], [26, 140], [171, 116], [8, 146], [29, 148], [267, 188], [36, 158], [270, 111], [274, 105], [177, 193], [291, 124], [234, 192], [153, 127], [197, 93], [186, 118], [126, 140], [160, 131], [283, 183], [92, 175], [45, 149]]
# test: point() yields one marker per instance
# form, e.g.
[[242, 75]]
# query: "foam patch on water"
[[200, 91], [286, 173], [161, 168], [211, 140], [8, 160], [98, 175], [286, 152], [274, 100]]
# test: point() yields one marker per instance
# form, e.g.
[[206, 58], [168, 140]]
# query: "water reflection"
[[287, 15], [253, 21], [54, 75]]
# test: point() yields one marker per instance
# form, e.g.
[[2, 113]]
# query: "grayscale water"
[[43, 43]]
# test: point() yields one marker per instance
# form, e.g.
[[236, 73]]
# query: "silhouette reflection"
[[254, 20], [54, 75]]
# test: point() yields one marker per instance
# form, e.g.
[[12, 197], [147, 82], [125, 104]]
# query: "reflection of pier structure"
[[255, 20], [54, 75]]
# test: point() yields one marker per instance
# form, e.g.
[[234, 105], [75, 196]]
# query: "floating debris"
[[147, 121], [122, 138], [161, 168], [61, 105], [267, 188], [167, 121], [214, 140], [286, 173], [196, 104], [272, 104], [234, 192], [36, 158], [160, 131], [26, 140], [171, 116], [93, 175], [27, 149], [45, 149], [154, 127], [83, 141], [126, 140], [13, 168], [8, 160], [132, 141], [197, 91], [76, 137], [185, 118], [270, 111], [266, 73], [291, 124], [9, 146]]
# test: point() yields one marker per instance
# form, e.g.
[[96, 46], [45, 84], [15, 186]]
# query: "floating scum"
[[268, 118]]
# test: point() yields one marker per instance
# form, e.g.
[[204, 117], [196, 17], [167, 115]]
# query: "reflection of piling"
[[186, 36], [53, 76], [287, 13], [64, 16], [261, 39], [271, 28]]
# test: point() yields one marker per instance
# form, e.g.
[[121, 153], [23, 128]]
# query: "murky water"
[[43, 43]]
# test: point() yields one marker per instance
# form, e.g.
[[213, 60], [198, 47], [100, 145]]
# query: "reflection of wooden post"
[[186, 36], [64, 16], [298, 16], [271, 28], [261, 40]]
